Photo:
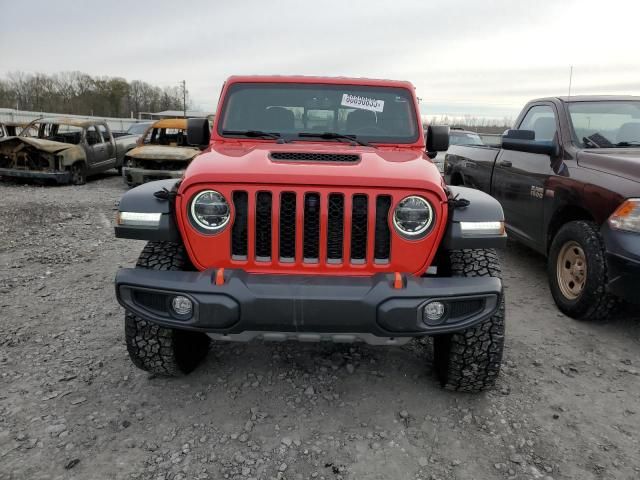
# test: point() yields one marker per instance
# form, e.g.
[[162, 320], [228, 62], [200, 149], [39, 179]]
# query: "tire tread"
[[156, 349], [469, 361]]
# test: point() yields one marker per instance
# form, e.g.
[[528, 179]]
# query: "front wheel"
[[577, 272], [160, 350], [469, 360], [78, 173]]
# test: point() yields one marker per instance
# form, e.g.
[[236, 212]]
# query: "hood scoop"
[[314, 157]]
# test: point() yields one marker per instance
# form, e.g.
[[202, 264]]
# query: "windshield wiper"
[[632, 143], [335, 136], [255, 134]]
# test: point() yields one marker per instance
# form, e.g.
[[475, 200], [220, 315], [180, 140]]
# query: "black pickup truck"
[[568, 179]]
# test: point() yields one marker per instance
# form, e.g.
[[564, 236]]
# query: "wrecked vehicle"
[[314, 214], [65, 150], [163, 153], [13, 129]]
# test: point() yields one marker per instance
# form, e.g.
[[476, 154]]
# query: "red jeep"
[[316, 214]]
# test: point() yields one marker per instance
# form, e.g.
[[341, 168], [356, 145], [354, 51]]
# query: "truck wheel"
[[78, 173], [469, 361], [126, 163], [577, 272], [160, 350]]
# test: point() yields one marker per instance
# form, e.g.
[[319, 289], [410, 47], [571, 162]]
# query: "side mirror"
[[524, 141], [437, 138], [198, 132]]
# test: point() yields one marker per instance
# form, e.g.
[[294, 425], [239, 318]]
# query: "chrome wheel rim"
[[571, 270]]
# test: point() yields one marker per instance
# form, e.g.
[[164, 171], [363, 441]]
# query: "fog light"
[[182, 305], [433, 311]]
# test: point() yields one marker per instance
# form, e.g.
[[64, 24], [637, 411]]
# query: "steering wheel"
[[371, 130]]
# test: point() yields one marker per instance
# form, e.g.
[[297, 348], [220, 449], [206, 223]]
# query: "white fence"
[[12, 115]]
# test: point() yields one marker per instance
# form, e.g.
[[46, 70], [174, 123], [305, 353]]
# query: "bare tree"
[[79, 93]]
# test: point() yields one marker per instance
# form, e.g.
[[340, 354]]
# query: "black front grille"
[[359, 228], [315, 157], [335, 227], [263, 225], [311, 226], [300, 219], [288, 226], [382, 244], [239, 231], [163, 165]]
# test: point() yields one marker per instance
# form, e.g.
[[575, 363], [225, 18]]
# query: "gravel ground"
[[73, 406]]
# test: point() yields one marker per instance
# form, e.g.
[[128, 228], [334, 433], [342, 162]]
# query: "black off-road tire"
[[160, 350], [469, 361], [78, 173], [594, 302]]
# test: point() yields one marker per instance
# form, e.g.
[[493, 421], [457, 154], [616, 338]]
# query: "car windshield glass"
[[59, 132], [174, 137], [138, 128], [606, 124], [464, 138], [371, 114]]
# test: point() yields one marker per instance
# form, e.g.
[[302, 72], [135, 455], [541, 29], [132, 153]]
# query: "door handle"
[[505, 163]]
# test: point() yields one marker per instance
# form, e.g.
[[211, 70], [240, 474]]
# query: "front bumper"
[[138, 176], [623, 263], [624, 277], [290, 305], [59, 177]]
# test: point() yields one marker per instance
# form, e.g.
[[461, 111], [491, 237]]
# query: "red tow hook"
[[398, 281], [219, 280]]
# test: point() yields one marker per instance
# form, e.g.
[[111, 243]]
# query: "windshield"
[[57, 132], [138, 128], [174, 137], [371, 114], [464, 138], [606, 124]]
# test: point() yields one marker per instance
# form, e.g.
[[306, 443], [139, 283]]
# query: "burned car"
[[13, 129], [65, 150], [163, 153]]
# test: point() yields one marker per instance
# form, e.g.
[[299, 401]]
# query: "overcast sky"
[[464, 56]]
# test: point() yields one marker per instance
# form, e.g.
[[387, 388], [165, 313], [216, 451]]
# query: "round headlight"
[[210, 211], [413, 216]]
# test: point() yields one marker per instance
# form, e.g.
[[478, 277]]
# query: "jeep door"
[[97, 153], [519, 178]]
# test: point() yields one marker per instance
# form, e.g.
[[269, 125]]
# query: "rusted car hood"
[[39, 143], [623, 163], [160, 153]]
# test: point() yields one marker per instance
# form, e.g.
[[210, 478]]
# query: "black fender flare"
[[143, 199], [469, 205]]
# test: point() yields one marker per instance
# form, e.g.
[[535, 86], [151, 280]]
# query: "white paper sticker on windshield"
[[363, 103]]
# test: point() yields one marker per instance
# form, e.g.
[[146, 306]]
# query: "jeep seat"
[[278, 119], [359, 119]]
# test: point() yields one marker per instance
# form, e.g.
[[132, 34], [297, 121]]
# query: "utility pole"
[[184, 97], [570, 79]]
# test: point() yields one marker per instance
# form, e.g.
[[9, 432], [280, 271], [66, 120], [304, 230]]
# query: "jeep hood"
[[376, 167], [622, 162], [161, 152], [48, 146]]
